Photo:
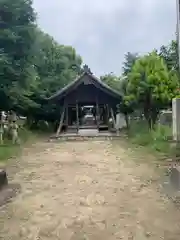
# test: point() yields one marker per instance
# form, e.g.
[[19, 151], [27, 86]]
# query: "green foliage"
[[148, 85], [120, 84], [152, 86], [125, 106], [17, 36], [155, 139], [170, 55], [112, 81], [56, 65], [32, 64], [8, 150]]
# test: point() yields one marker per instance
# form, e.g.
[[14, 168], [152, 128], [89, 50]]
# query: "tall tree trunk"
[[147, 116], [151, 117]]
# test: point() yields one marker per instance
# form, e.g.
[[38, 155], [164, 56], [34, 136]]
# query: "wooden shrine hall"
[[87, 103]]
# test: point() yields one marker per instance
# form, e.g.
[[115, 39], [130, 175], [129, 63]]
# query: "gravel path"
[[87, 190]]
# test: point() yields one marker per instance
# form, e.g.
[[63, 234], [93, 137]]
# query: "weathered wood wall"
[[89, 94]]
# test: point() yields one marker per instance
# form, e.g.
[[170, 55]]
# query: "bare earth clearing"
[[87, 190]]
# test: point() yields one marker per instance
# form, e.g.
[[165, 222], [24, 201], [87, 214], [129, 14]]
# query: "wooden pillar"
[[61, 121], [77, 116], [113, 118], [107, 108], [70, 115], [103, 114], [97, 113], [1, 127], [67, 114]]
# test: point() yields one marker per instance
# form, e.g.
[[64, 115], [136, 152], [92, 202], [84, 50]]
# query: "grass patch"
[[8, 150], [156, 140]]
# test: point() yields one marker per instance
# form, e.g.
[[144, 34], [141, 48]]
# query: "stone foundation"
[[84, 138]]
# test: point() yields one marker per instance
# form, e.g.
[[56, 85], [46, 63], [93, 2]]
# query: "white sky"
[[102, 33]]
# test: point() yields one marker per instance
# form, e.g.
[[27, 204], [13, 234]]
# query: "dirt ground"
[[87, 190]]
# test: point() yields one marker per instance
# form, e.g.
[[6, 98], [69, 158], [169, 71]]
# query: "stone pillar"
[[175, 177], [176, 119]]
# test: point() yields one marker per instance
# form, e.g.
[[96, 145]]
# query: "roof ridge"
[[78, 78]]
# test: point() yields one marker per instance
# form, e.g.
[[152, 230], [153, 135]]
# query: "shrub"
[[156, 139]]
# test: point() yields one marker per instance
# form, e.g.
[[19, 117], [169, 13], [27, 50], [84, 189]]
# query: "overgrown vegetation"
[[156, 139]]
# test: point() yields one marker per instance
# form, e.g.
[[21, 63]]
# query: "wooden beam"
[[61, 121]]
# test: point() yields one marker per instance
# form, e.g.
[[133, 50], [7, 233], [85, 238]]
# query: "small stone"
[[143, 185], [148, 234]]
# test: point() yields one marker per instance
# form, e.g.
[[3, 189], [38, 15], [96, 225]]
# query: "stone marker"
[[3, 178], [176, 119], [175, 177]]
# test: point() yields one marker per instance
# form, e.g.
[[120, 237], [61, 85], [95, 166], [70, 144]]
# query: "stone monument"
[[176, 119]]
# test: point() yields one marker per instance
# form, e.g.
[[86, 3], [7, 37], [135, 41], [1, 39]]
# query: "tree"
[[120, 85], [17, 20], [130, 59], [125, 106], [56, 65], [32, 64], [152, 86], [170, 55], [111, 80]]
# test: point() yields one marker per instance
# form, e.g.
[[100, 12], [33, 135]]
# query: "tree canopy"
[[149, 82], [151, 85], [130, 59], [17, 20], [32, 64]]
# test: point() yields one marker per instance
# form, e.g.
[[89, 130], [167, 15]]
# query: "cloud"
[[103, 31]]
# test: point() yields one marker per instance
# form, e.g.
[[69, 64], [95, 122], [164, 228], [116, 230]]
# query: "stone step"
[[85, 138]]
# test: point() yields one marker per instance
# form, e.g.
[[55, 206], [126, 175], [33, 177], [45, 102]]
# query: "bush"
[[156, 139]]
